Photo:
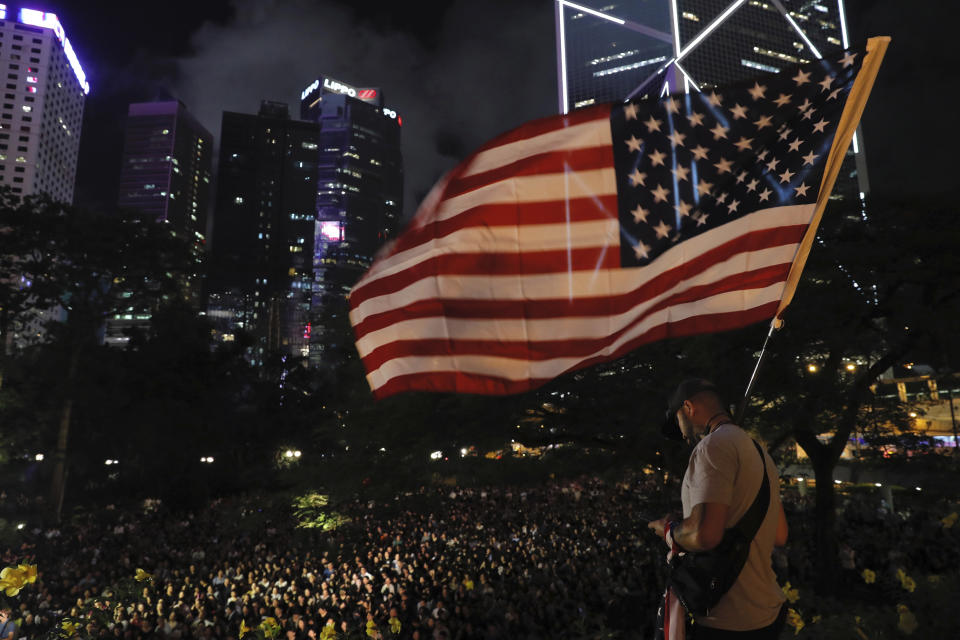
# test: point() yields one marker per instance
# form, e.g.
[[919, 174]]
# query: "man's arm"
[[702, 531]]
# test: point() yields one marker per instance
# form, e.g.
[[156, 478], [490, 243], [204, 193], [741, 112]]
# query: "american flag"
[[574, 239]]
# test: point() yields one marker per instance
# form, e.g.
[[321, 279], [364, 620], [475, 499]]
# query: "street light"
[[38, 457]]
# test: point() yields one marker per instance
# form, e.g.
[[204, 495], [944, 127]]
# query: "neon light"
[[856, 147], [710, 28], [686, 77], [675, 23], [313, 86], [797, 28], [331, 230], [843, 24], [593, 12], [50, 21], [3, 16]]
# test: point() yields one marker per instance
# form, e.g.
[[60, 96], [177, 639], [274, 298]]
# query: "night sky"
[[458, 72]]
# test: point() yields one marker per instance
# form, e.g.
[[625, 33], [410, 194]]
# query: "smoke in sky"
[[491, 67]]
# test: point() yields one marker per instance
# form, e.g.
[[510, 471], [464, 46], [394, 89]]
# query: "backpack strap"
[[749, 524]]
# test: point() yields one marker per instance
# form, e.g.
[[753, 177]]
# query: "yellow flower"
[[908, 622], [69, 629], [394, 625], [141, 576], [328, 632], [468, 584], [795, 620], [29, 572], [11, 581], [270, 628], [950, 520], [792, 594], [906, 581], [869, 576], [372, 629], [244, 629]]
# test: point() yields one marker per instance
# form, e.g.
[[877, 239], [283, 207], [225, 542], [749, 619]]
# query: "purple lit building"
[[42, 109]]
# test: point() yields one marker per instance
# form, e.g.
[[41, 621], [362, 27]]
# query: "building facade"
[[43, 97], [261, 275], [358, 202]]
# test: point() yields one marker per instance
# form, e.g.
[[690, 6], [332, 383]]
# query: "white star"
[[733, 206], [634, 143], [695, 119], [637, 178], [752, 185], [782, 100], [795, 145], [640, 214], [834, 93], [763, 155], [662, 229], [806, 105], [660, 194], [676, 138], [641, 251], [672, 106], [801, 77], [704, 187], [680, 172], [809, 158], [764, 121], [715, 99], [699, 152], [826, 83], [653, 124], [757, 91], [723, 166], [786, 175], [772, 165], [742, 176], [818, 127], [701, 218], [785, 133], [683, 208], [743, 144], [738, 111], [721, 198], [656, 158], [630, 111], [808, 113], [719, 131], [801, 190], [765, 195], [847, 60]]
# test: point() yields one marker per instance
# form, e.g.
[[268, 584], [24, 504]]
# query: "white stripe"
[[534, 237], [595, 133], [559, 328], [574, 284], [514, 369], [544, 187]]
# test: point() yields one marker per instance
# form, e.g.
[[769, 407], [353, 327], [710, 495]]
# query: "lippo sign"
[[329, 85]]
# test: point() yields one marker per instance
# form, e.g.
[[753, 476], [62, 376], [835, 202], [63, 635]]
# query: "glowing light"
[[878, 484], [20, 526], [836, 482], [562, 39], [331, 230], [207, 459], [843, 24], [3, 12], [812, 368], [50, 21], [710, 28], [851, 367], [38, 457], [593, 12], [797, 28], [436, 455]]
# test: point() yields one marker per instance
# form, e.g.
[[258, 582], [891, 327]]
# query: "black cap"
[[686, 390]]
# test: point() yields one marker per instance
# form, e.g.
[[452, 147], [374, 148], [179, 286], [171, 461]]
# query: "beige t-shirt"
[[725, 468]]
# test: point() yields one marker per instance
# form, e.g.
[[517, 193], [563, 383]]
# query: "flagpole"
[[776, 323]]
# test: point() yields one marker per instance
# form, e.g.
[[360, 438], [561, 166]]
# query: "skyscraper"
[[263, 230], [166, 168], [647, 47], [44, 93], [359, 195]]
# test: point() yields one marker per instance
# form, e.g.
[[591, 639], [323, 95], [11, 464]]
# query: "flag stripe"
[[451, 380], [498, 292], [373, 295], [502, 345], [660, 323], [531, 130]]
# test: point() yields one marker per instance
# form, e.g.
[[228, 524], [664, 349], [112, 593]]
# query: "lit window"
[[27, 108], [21, 159], [32, 79], [166, 131], [238, 200]]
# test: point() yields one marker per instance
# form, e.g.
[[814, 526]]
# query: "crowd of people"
[[561, 560]]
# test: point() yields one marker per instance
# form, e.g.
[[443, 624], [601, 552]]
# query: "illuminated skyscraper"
[[43, 97], [359, 195], [633, 48], [263, 230]]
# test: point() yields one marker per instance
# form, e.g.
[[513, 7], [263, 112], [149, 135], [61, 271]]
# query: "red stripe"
[[568, 161], [459, 382], [546, 125], [548, 349], [750, 241]]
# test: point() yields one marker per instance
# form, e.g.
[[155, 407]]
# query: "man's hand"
[[660, 526]]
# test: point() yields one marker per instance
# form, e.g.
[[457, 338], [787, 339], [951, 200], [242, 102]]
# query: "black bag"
[[700, 579]]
